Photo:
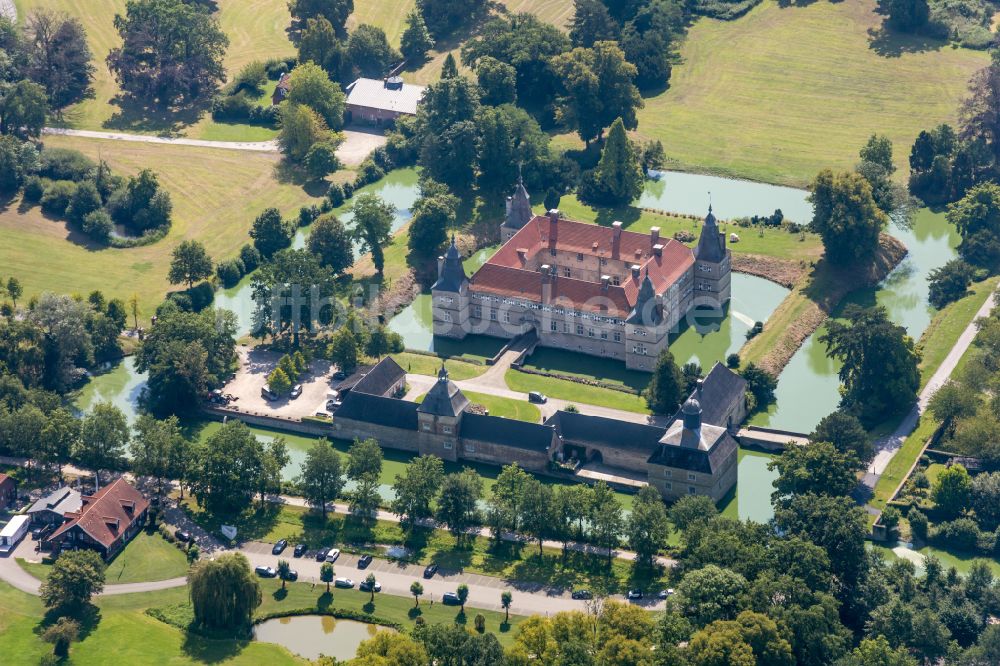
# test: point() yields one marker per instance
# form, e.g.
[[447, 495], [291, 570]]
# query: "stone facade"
[[582, 287]]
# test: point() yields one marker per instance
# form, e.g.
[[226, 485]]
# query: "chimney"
[[638, 254], [698, 387], [616, 232], [554, 216], [658, 250], [654, 234], [440, 264], [522, 254], [593, 247], [605, 281], [545, 270], [635, 271]]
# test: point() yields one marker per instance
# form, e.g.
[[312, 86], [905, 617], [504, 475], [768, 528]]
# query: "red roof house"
[[106, 521]]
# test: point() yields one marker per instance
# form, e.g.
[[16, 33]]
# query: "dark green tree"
[[618, 175], [18, 160], [457, 503], [817, 468], [591, 23], [321, 479], [311, 86], [647, 527], [61, 635], [949, 283], [444, 16], [977, 218], [171, 51], [319, 44], [370, 53], [227, 469], [879, 363], [497, 81], [224, 592], [373, 226], [648, 41], [364, 467], [159, 449], [59, 57], [952, 491], [666, 387], [23, 108], [335, 11], [416, 489], [190, 263], [416, 40], [449, 70], [847, 434], [76, 576], [980, 113], [103, 437], [846, 217], [270, 233], [330, 241], [433, 215]]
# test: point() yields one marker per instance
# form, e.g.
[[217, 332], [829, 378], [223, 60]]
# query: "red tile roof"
[[106, 514], [6, 481], [504, 274]]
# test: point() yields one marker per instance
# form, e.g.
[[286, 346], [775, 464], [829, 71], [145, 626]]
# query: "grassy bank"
[[425, 364], [575, 392]]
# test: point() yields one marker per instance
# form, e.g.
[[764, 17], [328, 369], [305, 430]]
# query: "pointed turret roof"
[[711, 245], [452, 273], [444, 398], [645, 312], [519, 206]]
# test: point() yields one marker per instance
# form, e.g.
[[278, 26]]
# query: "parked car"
[[634, 595], [331, 405], [292, 575], [296, 391], [582, 594], [340, 375], [450, 599], [343, 582], [300, 550], [183, 537], [332, 555], [365, 587], [321, 554], [265, 572], [268, 394], [535, 396], [430, 570], [364, 561], [279, 547], [665, 593], [40, 533]]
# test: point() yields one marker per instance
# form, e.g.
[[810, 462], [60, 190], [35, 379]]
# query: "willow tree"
[[224, 592]]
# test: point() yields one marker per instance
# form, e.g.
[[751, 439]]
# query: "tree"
[[505, 501], [321, 480], [878, 151], [23, 108], [536, 511], [433, 215], [284, 569], [665, 389], [369, 51], [846, 216], [980, 112], [14, 290], [382, 341], [462, 591], [59, 57], [344, 349], [85, 200], [279, 382], [270, 233], [449, 70], [648, 41], [76, 576], [159, 449], [606, 518], [141, 204], [497, 81], [171, 50], [318, 43], [416, 589], [321, 160], [977, 218], [443, 16], [228, 468], [952, 491], [692, 509], [457, 503], [711, 593], [906, 15], [846, 433], [224, 592], [18, 160], [373, 226], [591, 23], [415, 490], [416, 40], [61, 634], [817, 468], [364, 467], [618, 176], [877, 652], [506, 599], [326, 574], [986, 499], [370, 580], [302, 127], [58, 438], [190, 263], [647, 526], [879, 363], [599, 89], [949, 283], [336, 12], [67, 342], [103, 436]]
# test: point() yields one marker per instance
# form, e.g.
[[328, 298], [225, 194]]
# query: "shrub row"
[[230, 272]]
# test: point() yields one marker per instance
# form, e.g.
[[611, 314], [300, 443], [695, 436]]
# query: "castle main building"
[[582, 287]]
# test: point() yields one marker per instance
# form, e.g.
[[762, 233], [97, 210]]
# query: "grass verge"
[[575, 392], [426, 364]]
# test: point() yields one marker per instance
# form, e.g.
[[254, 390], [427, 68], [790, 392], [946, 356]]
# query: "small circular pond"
[[310, 636]]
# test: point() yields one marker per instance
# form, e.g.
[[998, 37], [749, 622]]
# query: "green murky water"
[[118, 384], [310, 636], [751, 499], [677, 192]]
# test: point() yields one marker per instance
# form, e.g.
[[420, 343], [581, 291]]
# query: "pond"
[[310, 636], [678, 192], [399, 188], [118, 383], [808, 389]]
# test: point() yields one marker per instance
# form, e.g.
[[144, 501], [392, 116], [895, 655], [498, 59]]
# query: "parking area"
[[255, 367]]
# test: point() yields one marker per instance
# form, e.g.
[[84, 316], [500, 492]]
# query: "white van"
[[13, 532]]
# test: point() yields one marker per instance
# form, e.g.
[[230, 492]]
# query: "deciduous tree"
[[190, 263], [599, 89], [364, 468], [415, 490], [647, 526], [416, 40], [457, 504], [103, 437], [846, 216], [373, 226], [224, 591], [330, 241], [76, 576], [59, 57]]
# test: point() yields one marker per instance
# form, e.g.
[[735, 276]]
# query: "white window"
[[470, 448], [446, 430], [447, 300], [590, 332], [692, 490], [668, 473], [446, 316], [566, 271], [447, 446], [427, 427], [639, 349], [579, 329], [691, 477], [477, 311], [506, 317], [618, 336], [604, 335], [493, 314], [704, 269]]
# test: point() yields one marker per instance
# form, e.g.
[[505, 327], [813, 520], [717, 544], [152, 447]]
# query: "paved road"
[[887, 447]]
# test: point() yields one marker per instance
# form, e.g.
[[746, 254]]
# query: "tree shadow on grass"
[[324, 601], [88, 617], [368, 608], [414, 613], [891, 44], [280, 594], [287, 173], [135, 115], [211, 650]]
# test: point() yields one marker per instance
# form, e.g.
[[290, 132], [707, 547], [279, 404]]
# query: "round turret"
[[691, 412]]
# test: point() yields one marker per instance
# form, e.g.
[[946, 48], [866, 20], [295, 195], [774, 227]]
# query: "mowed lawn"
[[216, 196], [256, 31], [784, 92], [508, 408]]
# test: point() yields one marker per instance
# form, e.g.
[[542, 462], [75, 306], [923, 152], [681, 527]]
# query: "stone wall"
[[497, 454]]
